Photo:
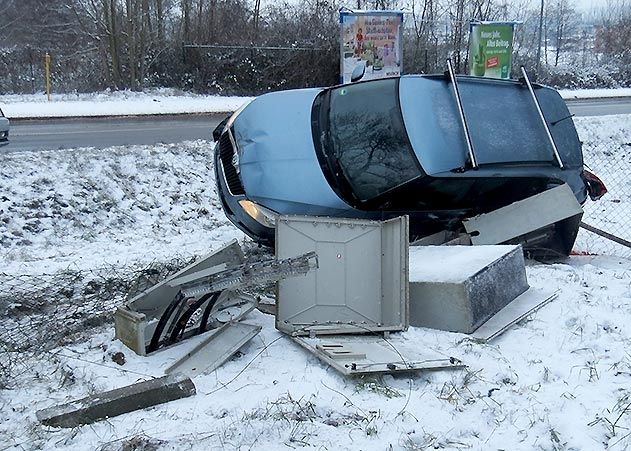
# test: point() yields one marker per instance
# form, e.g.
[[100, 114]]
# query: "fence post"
[[47, 67]]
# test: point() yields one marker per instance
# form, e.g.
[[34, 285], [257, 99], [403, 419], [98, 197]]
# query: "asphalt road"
[[69, 133], [599, 107], [53, 134]]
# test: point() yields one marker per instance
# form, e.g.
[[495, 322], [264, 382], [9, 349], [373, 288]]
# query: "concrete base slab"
[[458, 288], [116, 402]]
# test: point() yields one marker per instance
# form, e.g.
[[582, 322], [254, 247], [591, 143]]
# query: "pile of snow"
[[560, 379]]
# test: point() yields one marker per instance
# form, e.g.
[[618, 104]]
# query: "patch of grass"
[[376, 384]]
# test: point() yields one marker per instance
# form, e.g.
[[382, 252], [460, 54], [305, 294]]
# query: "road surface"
[[600, 107], [69, 133]]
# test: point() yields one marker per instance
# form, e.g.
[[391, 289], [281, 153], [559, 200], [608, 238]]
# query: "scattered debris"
[[215, 350], [192, 301], [550, 232], [116, 402], [356, 280]]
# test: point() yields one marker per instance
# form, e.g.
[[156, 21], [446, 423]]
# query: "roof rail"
[[557, 156], [463, 119]]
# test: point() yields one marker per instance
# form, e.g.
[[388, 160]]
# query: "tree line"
[[252, 46]]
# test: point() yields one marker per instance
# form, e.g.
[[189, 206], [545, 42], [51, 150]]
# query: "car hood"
[[278, 165]]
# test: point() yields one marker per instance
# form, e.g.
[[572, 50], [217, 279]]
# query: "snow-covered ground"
[[166, 101], [561, 379]]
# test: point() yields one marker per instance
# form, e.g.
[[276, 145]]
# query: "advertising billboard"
[[371, 43], [491, 49]]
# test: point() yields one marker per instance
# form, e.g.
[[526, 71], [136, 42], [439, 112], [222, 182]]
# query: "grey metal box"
[[361, 284], [458, 288]]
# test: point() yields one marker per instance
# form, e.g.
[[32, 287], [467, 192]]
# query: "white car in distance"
[[4, 128]]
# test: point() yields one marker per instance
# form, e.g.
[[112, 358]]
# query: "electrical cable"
[[164, 319], [182, 321], [209, 307]]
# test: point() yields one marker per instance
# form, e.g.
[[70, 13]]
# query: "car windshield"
[[361, 137]]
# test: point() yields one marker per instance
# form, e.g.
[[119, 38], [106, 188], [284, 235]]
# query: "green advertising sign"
[[490, 49]]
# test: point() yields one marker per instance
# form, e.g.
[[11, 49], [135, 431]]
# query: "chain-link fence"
[[41, 312], [611, 162]]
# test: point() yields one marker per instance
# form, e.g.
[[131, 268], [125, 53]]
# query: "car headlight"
[[260, 214]]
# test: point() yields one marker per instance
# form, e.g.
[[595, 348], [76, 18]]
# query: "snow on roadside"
[[594, 93], [116, 103], [561, 379], [167, 101]]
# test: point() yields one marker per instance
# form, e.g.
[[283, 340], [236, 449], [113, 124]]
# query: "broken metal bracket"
[[192, 301]]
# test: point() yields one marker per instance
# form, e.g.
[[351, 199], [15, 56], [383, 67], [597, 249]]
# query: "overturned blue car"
[[438, 148]]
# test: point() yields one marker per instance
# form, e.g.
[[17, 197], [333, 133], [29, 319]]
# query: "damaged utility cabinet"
[[359, 290]]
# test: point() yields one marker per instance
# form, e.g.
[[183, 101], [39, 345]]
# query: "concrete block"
[[116, 402], [458, 288]]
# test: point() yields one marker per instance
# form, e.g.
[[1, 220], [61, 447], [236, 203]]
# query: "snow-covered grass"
[[561, 379], [166, 101], [88, 207]]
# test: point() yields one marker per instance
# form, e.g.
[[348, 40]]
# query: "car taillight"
[[595, 187]]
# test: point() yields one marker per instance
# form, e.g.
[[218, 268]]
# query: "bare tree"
[[563, 19]]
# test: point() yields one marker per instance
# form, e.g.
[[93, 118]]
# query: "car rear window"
[[368, 140], [502, 118], [505, 125]]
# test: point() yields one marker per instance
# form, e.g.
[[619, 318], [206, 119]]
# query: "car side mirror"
[[358, 71], [218, 131]]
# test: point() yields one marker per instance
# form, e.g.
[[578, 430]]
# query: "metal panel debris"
[[369, 354], [361, 284], [558, 213], [215, 350], [525, 304]]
